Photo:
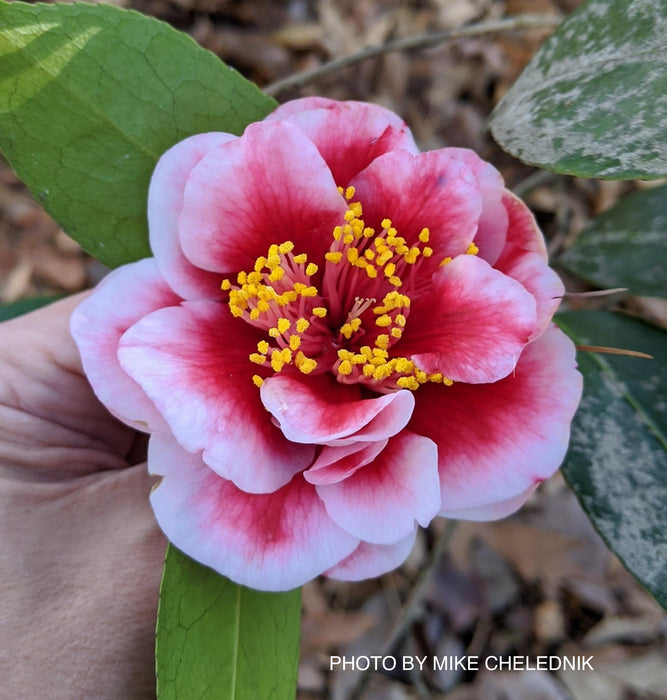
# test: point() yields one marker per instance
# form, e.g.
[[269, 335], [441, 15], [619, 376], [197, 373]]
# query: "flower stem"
[[418, 41]]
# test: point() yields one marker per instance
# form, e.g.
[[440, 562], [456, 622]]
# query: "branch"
[[420, 41]]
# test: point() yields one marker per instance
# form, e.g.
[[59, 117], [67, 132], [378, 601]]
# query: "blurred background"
[[539, 582]]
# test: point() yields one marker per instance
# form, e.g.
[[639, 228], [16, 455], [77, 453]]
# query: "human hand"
[[80, 553]]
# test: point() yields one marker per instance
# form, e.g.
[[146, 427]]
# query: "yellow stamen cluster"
[[267, 297], [386, 254], [277, 295]]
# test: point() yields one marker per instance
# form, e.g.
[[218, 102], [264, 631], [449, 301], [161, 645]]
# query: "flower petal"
[[122, 298], [165, 203], [381, 502], [371, 560], [432, 190], [192, 361], [492, 230], [337, 463], [349, 135], [266, 187], [272, 542], [496, 441], [323, 412], [493, 511], [523, 233], [541, 281], [472, 325]]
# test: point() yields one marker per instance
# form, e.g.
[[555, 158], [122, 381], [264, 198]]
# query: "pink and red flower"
[[338, 339]]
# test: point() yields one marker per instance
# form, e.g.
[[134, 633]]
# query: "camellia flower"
[[338, 338]]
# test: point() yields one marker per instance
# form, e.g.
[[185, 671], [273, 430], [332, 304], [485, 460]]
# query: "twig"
[[412, 606], [532, 182], [419, 41]]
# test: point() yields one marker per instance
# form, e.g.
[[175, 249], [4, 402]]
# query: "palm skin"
[[80, 553]]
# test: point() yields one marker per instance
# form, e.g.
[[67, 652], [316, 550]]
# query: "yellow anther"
[[345, 367], [319, 311], [400, 320], [381, 372], [369, 254], [305, 364], [371, 272], [294, 342], [300, 259], [257, 380], [349, 215], [386, 224], [283, 325], [384, 258], [344, 354], [276, 274], [446, 261], [368, 370], [302, 324], [309, 292], [424, 235], [408, 383], [447, 381], [384, 321], [436, 377], [259, 263], [312, 269], [340, 190], [334, 257], [337, 233], [396, 332], [286, 355], [242, 278], [236, 311], [352, 254], [257, 358], [368, 232], [262, 347], [263, 306], [349, 192], [226, 285], [382, 341], [286, 247], [274, 332], [472, 249], [254, 277], [427, 252], [366, 352], [358, 360], [411, 256], [254, 314], [389, 269], [396, 281]]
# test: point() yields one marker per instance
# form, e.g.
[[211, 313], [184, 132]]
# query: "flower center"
[[328, 318]]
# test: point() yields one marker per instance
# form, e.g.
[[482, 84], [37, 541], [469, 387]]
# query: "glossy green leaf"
[[625, 246], [90, 97], [220, 641], [617, 461], [593, 100]]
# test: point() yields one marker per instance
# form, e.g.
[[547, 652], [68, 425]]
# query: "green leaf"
[[23, 306], [616, 461], [220, 641], [593, 100], [90, 97], [625, 246]]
